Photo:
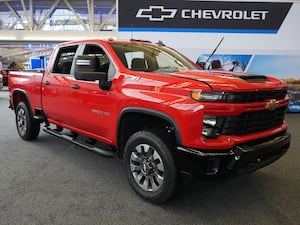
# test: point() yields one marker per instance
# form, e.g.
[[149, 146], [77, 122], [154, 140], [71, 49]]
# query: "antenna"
[[131, 32], [214, 50]]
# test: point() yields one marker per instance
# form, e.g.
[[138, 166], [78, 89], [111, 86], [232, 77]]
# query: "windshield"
[[145, 57]]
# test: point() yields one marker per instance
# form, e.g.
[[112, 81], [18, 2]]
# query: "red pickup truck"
[[156, 109]]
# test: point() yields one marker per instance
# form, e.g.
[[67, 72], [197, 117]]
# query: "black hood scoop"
[[253, 78]]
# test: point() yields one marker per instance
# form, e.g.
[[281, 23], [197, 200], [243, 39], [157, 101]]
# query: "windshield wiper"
[[166, 70]]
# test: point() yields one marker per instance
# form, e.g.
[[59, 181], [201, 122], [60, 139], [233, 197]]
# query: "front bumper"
[[241, 159]]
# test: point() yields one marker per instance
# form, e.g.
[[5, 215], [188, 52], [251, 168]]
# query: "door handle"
[[75, 86], [46, 82]]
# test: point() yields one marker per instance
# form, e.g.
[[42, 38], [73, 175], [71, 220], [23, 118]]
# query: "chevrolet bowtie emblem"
[[272, 104], [156, 13]]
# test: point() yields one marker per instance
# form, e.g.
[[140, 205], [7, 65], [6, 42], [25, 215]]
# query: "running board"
[[78, 141]]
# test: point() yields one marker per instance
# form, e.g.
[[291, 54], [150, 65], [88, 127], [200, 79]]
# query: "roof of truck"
[[110, 40]]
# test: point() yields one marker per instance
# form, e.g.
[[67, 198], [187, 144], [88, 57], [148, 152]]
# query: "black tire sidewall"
[[164, 149], [32, 126]]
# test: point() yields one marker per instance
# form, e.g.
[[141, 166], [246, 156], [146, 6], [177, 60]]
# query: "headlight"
[[210, 120], [207, 96], [212, 126]]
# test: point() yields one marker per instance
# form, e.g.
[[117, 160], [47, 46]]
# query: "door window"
[[64, 59], [103, 59]]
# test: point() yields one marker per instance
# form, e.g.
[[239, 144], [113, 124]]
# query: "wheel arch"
[[20, 95], [132, 119]]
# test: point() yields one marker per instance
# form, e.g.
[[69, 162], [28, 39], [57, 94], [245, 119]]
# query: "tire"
[[150, 166], [28, 128]]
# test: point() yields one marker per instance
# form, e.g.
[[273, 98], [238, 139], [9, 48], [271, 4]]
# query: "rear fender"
[[20, 95]]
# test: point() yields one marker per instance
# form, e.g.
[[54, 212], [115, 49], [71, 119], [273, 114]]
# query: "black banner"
[[201, 16]]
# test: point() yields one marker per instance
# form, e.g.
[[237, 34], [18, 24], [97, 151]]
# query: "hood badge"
[[272, 104]]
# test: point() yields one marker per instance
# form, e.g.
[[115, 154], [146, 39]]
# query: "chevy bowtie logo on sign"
[[149, 13], [202, 16]]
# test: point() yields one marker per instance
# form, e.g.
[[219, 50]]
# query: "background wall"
[[273, 51], [259, 37]]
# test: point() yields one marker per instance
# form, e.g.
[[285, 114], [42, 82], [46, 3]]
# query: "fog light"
[[207, 131]]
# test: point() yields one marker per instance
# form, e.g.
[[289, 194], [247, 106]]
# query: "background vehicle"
[[1, 82], [156, 109], [5, 77], [294, 104]]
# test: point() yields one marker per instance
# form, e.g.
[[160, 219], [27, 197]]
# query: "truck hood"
[[230, 81], [167, 86]]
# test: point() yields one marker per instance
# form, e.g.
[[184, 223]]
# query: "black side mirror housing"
[[86, 68]]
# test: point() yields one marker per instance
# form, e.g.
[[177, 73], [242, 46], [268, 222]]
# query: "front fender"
[[150, 112]]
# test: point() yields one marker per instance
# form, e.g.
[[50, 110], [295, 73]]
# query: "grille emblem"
[[272, 104]]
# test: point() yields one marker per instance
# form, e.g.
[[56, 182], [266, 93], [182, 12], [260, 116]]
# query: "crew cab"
[[154, 108]]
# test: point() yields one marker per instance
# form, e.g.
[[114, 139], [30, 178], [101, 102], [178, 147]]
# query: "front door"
[[91, 107]]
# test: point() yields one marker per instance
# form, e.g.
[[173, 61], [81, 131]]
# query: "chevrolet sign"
[[202, 16]]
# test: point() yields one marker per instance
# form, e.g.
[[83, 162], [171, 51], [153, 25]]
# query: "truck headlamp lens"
[[208, 125], [207, 131], [210, 120], [207, 96], [211, 126]]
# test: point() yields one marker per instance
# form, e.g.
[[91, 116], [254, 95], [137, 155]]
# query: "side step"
[[78, 140]]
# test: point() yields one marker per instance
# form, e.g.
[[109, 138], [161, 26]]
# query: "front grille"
[[244, 97], [252, 122]]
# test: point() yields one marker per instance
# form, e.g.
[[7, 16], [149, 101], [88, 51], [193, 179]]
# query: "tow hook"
[[238, 151], [213, 167]]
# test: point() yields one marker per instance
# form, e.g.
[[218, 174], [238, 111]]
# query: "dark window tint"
[[103, 60], [64, 59]]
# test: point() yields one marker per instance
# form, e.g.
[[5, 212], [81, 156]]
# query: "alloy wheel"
[[147, 167]]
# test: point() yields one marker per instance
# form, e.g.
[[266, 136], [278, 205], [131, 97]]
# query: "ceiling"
[[21, 52], [32, 28]]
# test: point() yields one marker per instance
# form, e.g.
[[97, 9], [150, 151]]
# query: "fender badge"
[[272, 104]]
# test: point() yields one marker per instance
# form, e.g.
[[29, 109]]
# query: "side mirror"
[[87, 68], [201, 64]]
